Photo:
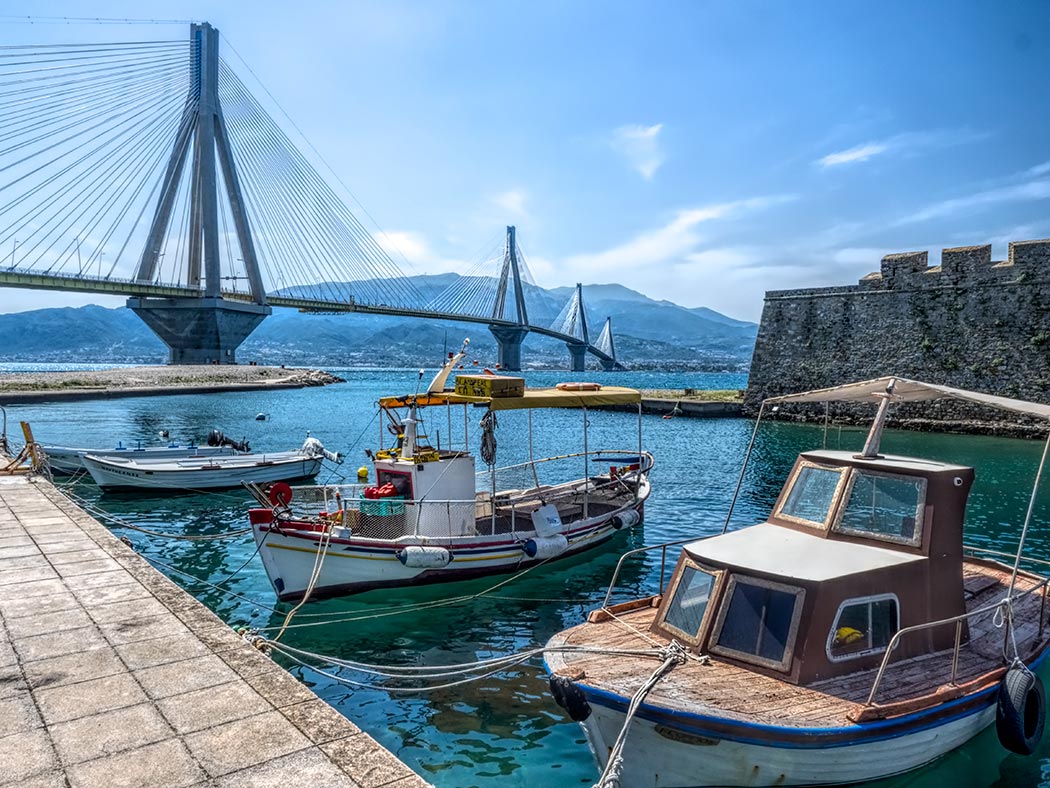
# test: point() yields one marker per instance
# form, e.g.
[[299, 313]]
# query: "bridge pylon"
[[207, 329], [606, 345], [510, 337], [575, 325]]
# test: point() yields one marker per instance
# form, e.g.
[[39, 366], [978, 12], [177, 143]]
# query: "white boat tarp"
[[905, 390]]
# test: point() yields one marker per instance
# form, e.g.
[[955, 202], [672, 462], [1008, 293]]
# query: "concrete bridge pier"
[[200, 330], [509, 339], [578, 355]]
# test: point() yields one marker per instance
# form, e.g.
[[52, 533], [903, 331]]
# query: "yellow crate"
[[489, 386]]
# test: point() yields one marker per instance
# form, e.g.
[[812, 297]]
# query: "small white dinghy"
[[209, 473], [69, 460]]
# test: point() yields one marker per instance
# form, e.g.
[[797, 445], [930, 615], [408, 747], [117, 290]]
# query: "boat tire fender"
[[569, 696], [1020, 713], [626, 519]]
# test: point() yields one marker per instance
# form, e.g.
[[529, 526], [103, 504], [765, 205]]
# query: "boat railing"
[[648, 549], [958, 621], [509, 512]]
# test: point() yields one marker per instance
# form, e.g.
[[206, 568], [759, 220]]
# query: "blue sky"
[[701, 152]]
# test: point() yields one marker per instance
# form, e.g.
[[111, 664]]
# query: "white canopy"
[[905, 390]]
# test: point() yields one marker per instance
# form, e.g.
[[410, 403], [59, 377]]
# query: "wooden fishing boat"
[[426, 521], [849, 637], [208, 473]]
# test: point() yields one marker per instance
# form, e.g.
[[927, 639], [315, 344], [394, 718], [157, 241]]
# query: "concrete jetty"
[[110, 674]]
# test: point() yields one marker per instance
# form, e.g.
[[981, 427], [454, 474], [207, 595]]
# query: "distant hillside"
[[648, 334]]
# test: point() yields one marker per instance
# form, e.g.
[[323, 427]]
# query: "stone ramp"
[[112, 675]]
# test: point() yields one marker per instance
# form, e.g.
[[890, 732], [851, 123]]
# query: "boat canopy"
[[533, 398], [905, 390]]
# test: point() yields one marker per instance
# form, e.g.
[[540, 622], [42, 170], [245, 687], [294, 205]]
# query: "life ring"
[[1020, 713], [280, 493], [579, 386], [570, 697]]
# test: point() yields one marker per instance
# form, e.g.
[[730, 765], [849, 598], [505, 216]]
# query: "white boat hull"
[[654, 759], [203, 474], [351, 564], [65, 459]]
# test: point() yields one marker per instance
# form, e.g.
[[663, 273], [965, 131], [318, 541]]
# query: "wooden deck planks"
[[736, 692]]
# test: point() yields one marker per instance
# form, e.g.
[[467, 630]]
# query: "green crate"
[[383, 507]]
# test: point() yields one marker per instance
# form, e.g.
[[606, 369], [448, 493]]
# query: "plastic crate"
[[383, 507]]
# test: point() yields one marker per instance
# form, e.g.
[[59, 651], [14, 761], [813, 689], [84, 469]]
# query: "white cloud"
[[909, 142], [673, 241], [1038, 170], [413, 248], [854, 155], [640, 145], [512, 203], [1021, 192]]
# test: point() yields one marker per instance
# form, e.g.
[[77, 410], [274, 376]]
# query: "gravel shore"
[[17, 387]]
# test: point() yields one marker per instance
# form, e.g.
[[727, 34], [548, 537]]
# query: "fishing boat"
[[209, 473], [425, 520], [67, 460], [849, 637]]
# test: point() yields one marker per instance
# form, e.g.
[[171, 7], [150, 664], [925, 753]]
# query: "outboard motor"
[[314, 448], [216, 438]]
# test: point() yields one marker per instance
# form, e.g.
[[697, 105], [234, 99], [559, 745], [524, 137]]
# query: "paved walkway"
[[112, 675]]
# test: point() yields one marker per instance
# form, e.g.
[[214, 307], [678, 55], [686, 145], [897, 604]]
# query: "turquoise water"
[[505, 730]]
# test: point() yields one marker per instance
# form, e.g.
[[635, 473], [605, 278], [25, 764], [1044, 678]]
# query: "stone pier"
[[112, 675]]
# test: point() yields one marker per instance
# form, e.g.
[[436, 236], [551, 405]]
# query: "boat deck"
[[735, 692]]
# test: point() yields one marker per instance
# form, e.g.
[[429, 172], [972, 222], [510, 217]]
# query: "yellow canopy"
[[533, 398]]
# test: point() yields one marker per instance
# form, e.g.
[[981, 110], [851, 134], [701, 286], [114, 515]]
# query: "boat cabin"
[[856, 548]]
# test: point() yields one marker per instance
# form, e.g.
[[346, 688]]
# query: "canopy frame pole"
[[743, 468], [638, 478], [1028, 518], [586, 469], [532, 457]]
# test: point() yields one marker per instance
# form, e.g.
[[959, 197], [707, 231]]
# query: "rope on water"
[[673, 655]]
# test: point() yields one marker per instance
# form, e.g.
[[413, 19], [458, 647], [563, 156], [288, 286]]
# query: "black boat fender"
[[570, 697], [1020, 713]]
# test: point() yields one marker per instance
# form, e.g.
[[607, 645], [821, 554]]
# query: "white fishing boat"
[[849, 637], [68, 460], [208, 473], [426, 521]]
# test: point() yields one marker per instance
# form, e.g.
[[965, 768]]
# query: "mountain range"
[[647, 334]]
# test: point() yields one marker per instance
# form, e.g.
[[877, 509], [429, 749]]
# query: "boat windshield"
[[884, 506], [758, 622], [811, 495], [685, 612]]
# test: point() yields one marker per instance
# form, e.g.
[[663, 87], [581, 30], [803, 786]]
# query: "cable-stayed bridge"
[[148, 169]]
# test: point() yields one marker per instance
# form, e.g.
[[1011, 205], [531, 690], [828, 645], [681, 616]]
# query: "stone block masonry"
[[969, 322]]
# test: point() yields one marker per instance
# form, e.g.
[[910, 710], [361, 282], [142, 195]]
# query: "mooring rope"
[[673, 655]]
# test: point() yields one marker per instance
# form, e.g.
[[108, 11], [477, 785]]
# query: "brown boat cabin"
[[855, 549]]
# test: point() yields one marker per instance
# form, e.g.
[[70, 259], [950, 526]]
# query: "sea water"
[[505, 730]]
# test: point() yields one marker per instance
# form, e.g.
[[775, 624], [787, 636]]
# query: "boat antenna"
[[419, 380], [871, 445]]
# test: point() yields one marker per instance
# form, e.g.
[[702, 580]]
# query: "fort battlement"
[[969, 322]]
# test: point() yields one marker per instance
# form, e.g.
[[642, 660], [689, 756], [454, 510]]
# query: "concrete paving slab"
[[42, 624], [188, 675], [88, 738], [167, 763], [84, 698], [55, 644], [193, 711], [26, 754], [18, 713], [306, 767], [12, 606], [243, 743], [73, 668]]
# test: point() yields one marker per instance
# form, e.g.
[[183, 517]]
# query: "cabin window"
[[884, 506], [863, 626], [811, 495], [688, 601], [758, 622]]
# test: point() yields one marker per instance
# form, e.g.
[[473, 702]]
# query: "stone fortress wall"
[[968, 322]]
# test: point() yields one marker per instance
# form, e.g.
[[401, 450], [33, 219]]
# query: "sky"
[[702, 152]]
